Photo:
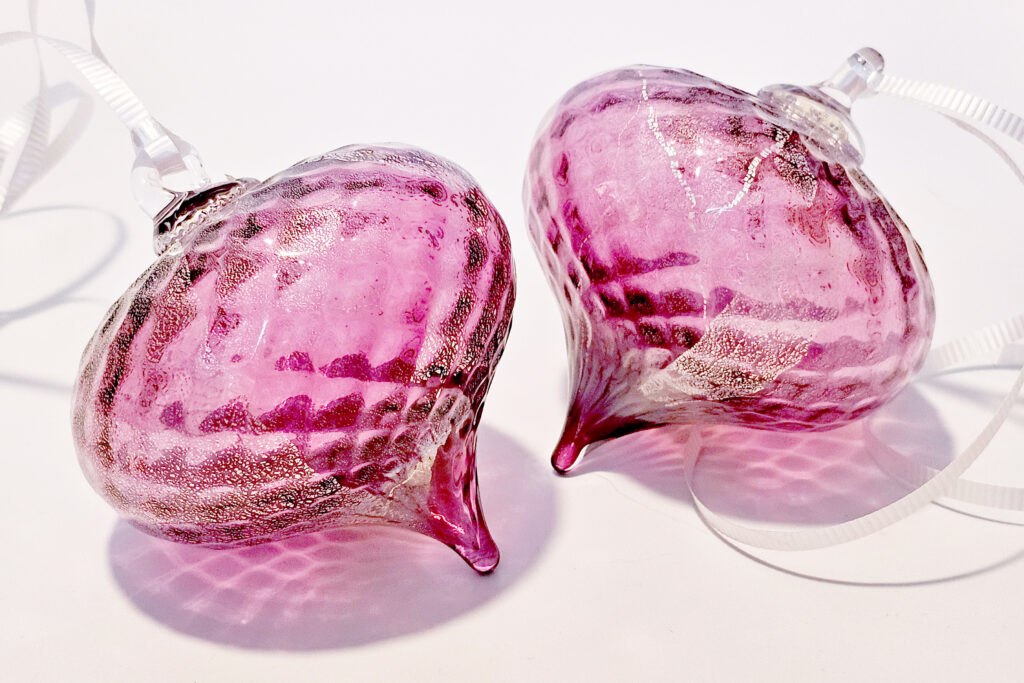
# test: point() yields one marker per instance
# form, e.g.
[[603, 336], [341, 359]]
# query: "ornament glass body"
[[713, 264], [314, 351]]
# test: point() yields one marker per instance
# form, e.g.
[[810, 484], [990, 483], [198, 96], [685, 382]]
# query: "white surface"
[[607, 575]]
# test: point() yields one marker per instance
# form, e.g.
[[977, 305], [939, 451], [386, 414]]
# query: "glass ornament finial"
[[170, 182], [821, 112], [165, 167]]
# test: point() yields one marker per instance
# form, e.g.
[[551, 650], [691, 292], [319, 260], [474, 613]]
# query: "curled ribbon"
[[165, 164]]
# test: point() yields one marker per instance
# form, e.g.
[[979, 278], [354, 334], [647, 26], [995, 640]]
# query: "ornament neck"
[[821, 112], [192, 207]]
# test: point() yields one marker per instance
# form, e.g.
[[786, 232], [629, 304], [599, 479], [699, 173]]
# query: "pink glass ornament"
[[309, 351], [720, 257]]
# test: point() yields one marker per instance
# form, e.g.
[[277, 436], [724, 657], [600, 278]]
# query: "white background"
[[607, 574]]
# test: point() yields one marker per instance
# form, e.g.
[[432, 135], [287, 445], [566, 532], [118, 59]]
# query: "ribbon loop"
[[165, 167]]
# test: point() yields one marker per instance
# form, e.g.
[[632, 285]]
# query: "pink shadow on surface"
[[783, 477], [343, 587]]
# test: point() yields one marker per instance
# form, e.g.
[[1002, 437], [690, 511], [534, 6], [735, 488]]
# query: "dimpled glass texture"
[[712, 267], [314, 353]]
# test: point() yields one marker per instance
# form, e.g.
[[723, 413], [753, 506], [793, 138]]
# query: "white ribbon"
[[160, 154], [969, 112]]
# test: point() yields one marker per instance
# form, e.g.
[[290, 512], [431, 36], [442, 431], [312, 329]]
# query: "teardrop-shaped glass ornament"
[[720, 257], [308, 351]]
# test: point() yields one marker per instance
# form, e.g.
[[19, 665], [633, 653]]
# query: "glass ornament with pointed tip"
[[308, 351], [720, 257]]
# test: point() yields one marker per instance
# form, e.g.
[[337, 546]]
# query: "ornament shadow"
[[64, 291], [344, 587], [787, 480], [60, 293], [784, 477], [820, 478]]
